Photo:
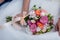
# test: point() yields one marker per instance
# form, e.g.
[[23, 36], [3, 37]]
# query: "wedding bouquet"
[[39, 21]]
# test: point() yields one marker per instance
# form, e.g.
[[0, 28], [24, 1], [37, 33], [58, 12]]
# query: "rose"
[[44, 19], [40, 25], [33, 28], [33, 21], [32, 14], [38, 29], [44, 12]]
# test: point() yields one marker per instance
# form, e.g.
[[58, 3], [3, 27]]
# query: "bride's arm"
[[25, 7], [24, 11]]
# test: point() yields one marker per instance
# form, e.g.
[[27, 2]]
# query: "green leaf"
[[34, 7], [8, 18], [50, 28], [50, 17], [31, 18], [41, 32], [26, 18]]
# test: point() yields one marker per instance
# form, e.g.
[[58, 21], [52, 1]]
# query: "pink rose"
[[44, 19], [33, 27]]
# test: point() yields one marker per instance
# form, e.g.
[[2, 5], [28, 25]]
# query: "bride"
[[12, 34]]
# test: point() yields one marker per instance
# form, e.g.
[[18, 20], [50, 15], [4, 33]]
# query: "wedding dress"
[[10, 33]]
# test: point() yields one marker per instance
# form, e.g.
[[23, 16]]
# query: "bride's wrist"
[[24, 13]]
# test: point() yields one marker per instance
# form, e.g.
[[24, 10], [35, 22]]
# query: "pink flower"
[[29, 22], [44, 19], [33, 27], [43, 12]]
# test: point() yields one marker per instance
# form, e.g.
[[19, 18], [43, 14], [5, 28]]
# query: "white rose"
[[33, 21], [45, 27], [32, 14], [38, 29], [36, 18], [44, 30]]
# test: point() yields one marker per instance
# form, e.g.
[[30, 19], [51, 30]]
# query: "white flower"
[[44, 30], [38, 29], [45, 26], [36, 18], [32, 14], [33, 21]]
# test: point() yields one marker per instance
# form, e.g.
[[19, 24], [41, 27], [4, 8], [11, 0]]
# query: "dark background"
[[5, 2]]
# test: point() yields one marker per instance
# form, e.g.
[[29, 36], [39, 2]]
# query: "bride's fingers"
[[22, 21], [18, 15]]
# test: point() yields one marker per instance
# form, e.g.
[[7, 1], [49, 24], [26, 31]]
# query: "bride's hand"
[[16, 17], [19, 18], [16, 20]]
